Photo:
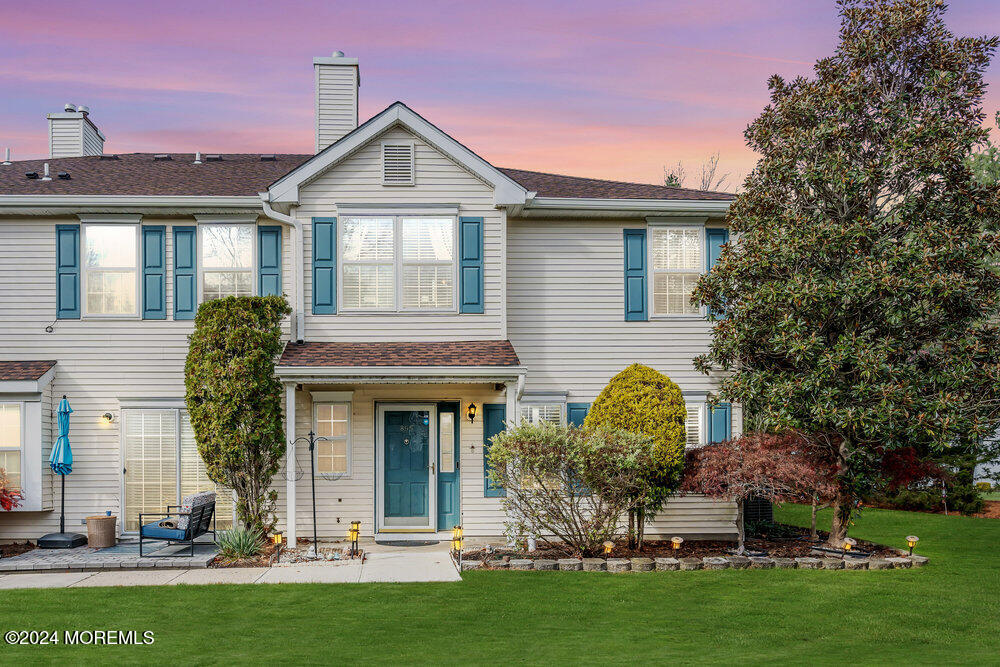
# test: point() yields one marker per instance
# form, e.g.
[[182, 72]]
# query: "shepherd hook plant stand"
[[312, 439]]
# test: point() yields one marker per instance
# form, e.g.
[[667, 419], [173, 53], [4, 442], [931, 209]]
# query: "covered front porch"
[[399, 430]]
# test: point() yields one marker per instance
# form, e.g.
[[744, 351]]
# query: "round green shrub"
[[645, 401]]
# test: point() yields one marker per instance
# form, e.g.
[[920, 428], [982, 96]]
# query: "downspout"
[[298, 259]]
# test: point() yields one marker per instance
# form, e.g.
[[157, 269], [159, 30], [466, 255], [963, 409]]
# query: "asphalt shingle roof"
[[460, 353], [24, 370], [245, 174]]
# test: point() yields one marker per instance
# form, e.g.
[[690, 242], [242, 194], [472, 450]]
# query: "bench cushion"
[[194, 500], [153, 530]]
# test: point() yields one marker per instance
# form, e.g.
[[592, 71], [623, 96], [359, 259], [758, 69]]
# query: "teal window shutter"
[[494, 416], [269, 261], [636, 290], [720, 422], [324, 268], [68, 272], [185, 272], [470, 271], [576, 413], [714, 240], [154, 273]]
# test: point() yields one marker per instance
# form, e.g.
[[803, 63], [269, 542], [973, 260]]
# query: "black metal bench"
[[201, 520]]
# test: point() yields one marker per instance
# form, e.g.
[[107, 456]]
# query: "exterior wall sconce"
[[471, 414], [107, 418]]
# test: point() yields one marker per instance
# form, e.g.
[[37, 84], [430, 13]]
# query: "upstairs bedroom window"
[[110, 266], [11, 442], [678, 259], [226, 260], [398, 263]]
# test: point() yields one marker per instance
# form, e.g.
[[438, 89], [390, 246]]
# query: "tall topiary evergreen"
[[644, 401], [235, 401], [860, 298]]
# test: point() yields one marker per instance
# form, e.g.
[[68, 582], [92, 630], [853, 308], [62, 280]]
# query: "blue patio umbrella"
[[61, 462]]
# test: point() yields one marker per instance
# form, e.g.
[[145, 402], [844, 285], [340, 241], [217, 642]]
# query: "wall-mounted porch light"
[[471, 414], [107, 418]]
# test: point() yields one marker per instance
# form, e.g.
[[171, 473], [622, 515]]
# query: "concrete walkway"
[[384, 564]]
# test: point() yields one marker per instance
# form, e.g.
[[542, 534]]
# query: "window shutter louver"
[[494, 415], [576, 413], [635, 275], [471, 265], [154, 273], [68, 272], [185, 272], [720, 422], [397, 164], [269, 261], [324, 269]]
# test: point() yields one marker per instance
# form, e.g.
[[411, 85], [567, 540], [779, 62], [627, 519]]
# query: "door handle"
[[432, 468]]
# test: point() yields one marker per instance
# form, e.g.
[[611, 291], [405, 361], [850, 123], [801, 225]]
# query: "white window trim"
[[348, 466], [85, 271], [210, 222], [397, 267], [162, 405], [413, 162], [20, 448], [538, 404], [702, 422], [653, 315]]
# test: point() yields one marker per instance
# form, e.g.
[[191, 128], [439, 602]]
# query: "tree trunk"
[[631, 528], [812, 526], [640, 528], [842, 504], [740, 528]]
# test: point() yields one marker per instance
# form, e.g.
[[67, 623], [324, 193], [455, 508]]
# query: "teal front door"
[[408, 459]]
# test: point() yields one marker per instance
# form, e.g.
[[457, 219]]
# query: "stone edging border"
[[706, 563]]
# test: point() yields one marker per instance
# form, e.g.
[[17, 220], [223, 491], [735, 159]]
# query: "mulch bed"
[[299, 555], [794, 542], [8, 550]]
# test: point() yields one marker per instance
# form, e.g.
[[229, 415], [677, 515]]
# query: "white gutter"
[[298, 259]]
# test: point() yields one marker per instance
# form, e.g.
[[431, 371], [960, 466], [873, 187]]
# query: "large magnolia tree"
[[859, 298]]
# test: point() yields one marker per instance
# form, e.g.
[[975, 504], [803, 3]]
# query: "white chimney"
[[337, 82], [73, 134]]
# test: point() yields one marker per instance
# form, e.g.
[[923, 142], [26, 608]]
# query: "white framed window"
[[397, 163], [694, 425], [110, 270], [677, 260], [535, 413], [12, 441], [333, 422], [161, 465], [226, 259], [398, 264]]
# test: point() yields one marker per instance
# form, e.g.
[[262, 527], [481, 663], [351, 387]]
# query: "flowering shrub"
[[9, 497], [571, 483]]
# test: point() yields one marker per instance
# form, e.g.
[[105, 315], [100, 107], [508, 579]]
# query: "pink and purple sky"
[[605, 89]]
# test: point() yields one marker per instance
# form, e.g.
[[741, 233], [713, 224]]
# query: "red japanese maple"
[[9, 497], [771, 467]]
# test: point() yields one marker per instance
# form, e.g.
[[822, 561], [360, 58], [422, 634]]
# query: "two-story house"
[[435, 298]]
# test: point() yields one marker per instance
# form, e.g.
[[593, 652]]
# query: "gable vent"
[[397, 164]]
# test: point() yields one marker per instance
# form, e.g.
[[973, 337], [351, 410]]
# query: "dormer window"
[[397, 163]]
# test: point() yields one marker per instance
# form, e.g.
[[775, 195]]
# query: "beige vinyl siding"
[[99, 362], [565, 318], [336, 103], [65, 137], [358, 180], [92, 143], [352, 498]]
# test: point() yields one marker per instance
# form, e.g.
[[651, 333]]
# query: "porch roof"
[[482, 360], [24, 370]]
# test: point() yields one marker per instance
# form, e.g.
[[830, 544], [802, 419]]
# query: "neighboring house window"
[[678, 259], [542, 412], [333, 422], [398, 264], [693, 425], [162, 465], [226, 260], [11, 441], [110, 265]]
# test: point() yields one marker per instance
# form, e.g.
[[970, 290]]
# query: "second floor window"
[[398, 263], [226, 260], [678, 260], [110, 263]]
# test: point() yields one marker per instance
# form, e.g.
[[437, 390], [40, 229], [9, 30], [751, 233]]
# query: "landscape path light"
[[911, 541]]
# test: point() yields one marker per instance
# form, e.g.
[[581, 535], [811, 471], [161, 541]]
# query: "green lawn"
[[948, 612]]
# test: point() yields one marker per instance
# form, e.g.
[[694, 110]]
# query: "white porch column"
[[511, 395], [290, 463]]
